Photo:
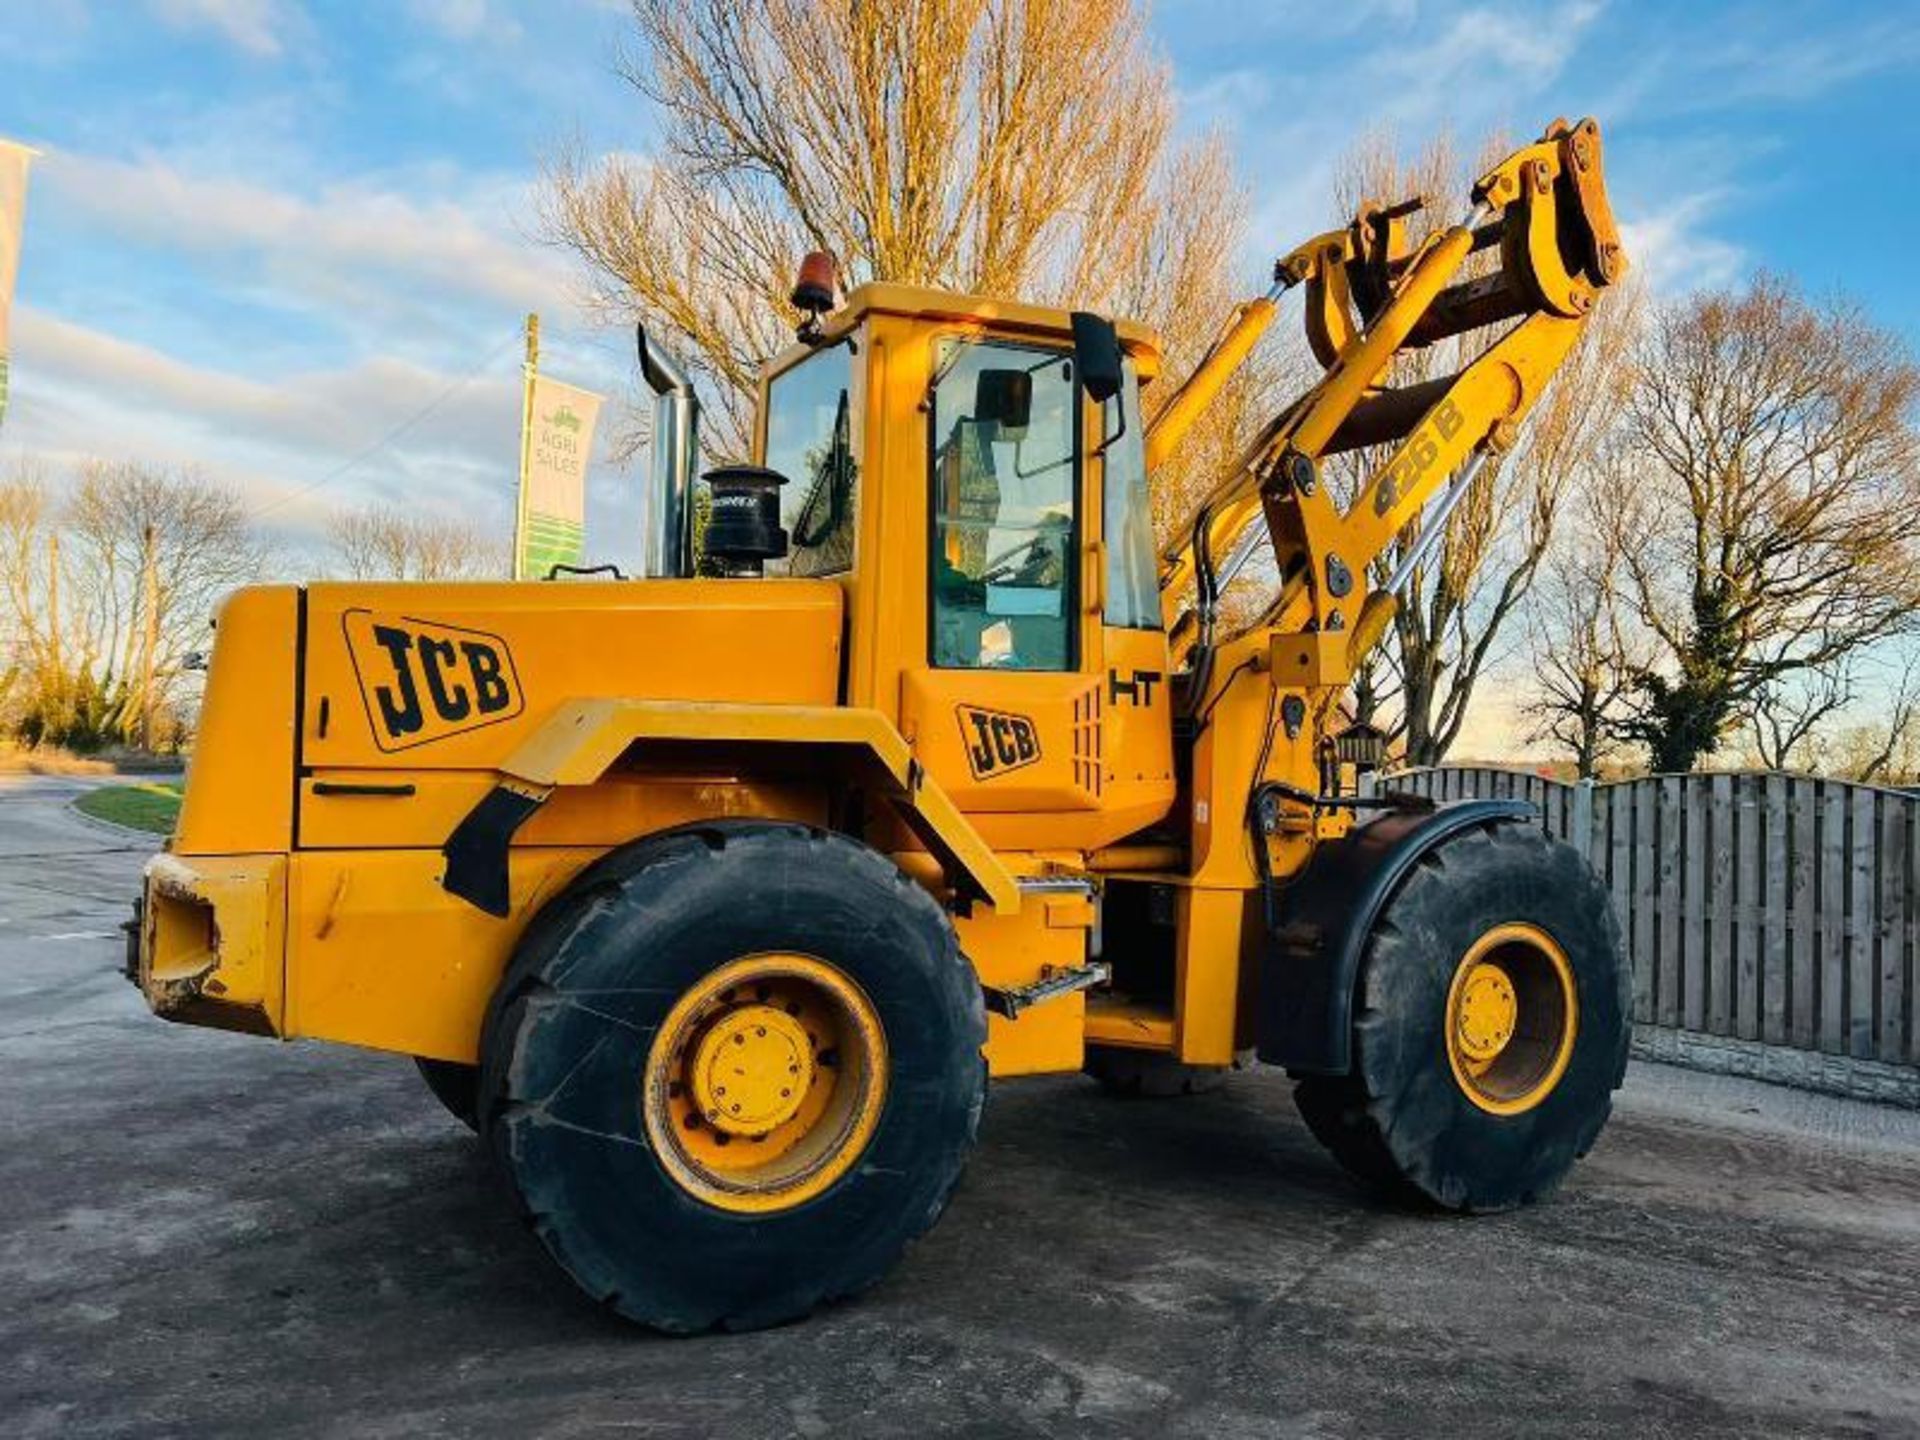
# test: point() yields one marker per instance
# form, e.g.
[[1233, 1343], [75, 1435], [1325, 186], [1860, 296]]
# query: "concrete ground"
[[210, 1234]]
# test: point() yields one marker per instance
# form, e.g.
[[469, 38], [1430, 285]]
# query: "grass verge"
[[146, 806]]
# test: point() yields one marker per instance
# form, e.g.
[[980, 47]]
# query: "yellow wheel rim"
[[765, 1082], [1512, 1014]]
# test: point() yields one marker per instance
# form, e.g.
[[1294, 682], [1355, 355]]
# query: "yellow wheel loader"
[[713, 903]]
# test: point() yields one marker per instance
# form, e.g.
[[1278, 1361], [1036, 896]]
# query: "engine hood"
[[455, 676]]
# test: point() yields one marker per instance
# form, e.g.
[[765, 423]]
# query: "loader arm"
[[1368, 300]]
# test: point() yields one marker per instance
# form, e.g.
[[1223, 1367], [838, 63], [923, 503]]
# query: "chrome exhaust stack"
[[667, 518]]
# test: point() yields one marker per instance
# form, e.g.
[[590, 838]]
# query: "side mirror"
[[1006, 398], [1096, 351]]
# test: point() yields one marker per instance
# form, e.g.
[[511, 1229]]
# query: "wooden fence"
[[1775, 908]]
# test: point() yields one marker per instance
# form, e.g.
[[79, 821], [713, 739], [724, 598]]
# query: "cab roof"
[[923, 303]]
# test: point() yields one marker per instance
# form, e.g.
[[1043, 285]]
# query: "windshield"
[[811, 439]]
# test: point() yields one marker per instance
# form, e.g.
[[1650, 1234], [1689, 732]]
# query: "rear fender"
[[1310, 966], [585, 738]]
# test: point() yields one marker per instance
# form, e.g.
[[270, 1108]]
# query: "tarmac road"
[[211, 1234]]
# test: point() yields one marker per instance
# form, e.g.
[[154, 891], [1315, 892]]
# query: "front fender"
[[1310, 965]]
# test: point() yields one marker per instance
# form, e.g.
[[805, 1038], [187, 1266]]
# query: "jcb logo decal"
[[996, 741], [423, 681]]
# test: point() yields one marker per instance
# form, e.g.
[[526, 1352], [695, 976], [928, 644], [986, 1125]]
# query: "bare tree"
[[1884, 752], [23, 622], [1888, 748], [150, 554], [1786, 714], [1585, 652], [1769, 445], [1855, 718], [107, 592], [1018, 148], [379, 542]]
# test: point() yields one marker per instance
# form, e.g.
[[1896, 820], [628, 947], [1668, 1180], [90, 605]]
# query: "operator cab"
[[973, 473]]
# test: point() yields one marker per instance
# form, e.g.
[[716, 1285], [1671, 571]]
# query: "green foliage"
[[74, 710], [1684, 718]]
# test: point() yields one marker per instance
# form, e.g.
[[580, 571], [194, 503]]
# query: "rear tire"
[[628, 1193], [454, 1085], [1438, 1120], [1153, 1075]]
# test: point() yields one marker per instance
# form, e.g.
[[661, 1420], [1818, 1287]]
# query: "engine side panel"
[[454, 677]]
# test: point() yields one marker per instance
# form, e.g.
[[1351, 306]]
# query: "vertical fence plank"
[[1669, 920], [1716, 901], [1910, 945], [1648, 863], [1862, 922], [1696, 936], [1890, 929], [1580, 824], [1833, 918], [1746, 906], [1804, 964], [1778, 880], [1618, 803]]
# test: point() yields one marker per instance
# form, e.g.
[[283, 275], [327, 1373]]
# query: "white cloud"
[[276, 438], [466, 20], [1672, 248], [258, 27], [348, 231], [302, 445]]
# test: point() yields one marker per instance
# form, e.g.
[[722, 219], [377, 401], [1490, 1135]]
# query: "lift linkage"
[[1370, 298]]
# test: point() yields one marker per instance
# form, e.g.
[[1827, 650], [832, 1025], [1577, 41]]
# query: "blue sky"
[[265, 234]]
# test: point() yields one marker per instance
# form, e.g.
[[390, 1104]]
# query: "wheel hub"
[[752, 1070], [1512, 1014], [1487, 1012], [764, 1082]]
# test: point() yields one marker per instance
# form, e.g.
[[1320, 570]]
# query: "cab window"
[[812, 440], [1133, 568], [1005, 472]]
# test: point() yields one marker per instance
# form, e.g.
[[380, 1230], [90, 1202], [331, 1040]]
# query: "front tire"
[[733, 1072], [1490, 1031]]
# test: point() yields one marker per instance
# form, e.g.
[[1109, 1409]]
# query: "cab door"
[[1005, 711]]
